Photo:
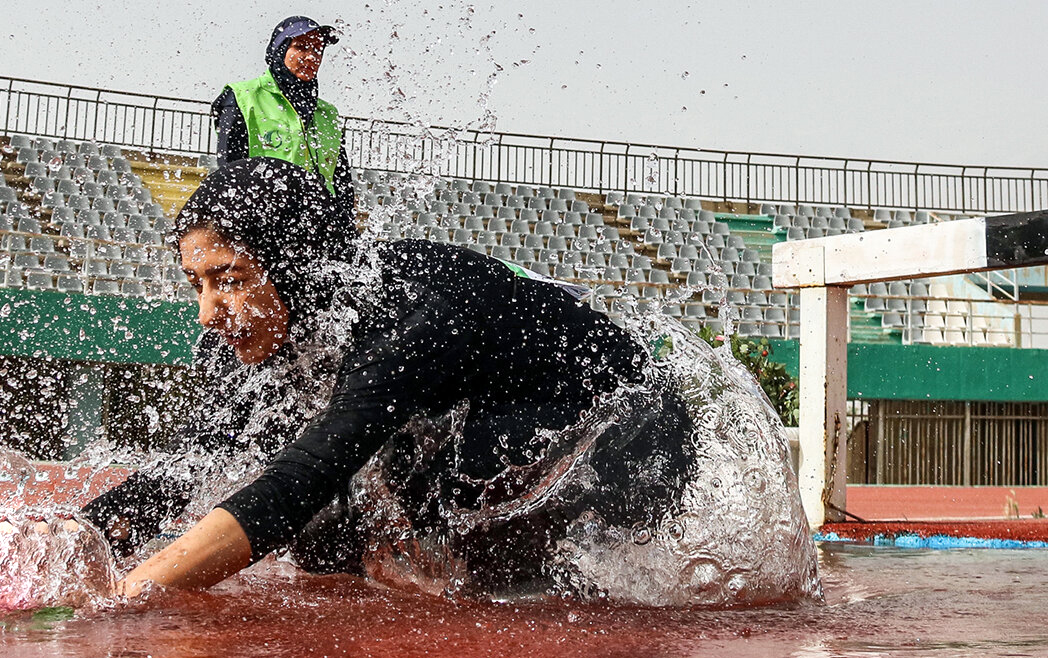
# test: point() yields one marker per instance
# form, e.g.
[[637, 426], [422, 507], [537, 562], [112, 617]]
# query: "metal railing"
[[160, 123]]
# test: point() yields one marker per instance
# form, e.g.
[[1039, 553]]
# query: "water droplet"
[[675, 529], [641, 534]]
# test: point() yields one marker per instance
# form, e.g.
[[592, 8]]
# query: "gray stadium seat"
[[96, 232], [39, 280], [41, 245], [652, 236], [667, 251], [69, 283], [680, 265], [105, 287], [28, 225], [21, 141], [25, 260]]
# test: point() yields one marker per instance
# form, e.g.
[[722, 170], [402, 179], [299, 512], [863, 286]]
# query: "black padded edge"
[[1017, 240]]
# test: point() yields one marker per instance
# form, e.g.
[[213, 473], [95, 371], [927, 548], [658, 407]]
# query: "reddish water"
[[880, 601]]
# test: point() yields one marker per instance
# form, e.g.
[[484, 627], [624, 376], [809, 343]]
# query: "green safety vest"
[[275, 130]]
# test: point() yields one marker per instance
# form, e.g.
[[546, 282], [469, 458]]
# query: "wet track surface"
[[879, 602]]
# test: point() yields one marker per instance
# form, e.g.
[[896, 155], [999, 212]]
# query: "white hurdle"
[[824, 269]]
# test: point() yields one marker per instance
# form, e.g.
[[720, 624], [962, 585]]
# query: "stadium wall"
[[99, 328]]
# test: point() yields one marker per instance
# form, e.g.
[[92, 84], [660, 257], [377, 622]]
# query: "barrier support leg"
[[823, 384]]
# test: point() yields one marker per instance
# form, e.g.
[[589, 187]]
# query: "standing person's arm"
[[231, 128]]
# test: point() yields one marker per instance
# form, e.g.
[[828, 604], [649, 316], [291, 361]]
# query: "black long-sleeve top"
[[450, 325], [233, 145]]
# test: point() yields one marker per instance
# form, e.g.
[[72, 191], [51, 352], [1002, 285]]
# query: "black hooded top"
[[285, 217], [438, 326], [232, 129]]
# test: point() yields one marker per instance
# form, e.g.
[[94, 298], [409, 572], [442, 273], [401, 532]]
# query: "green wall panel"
[[124, 330], [96, 327], [925, 372]]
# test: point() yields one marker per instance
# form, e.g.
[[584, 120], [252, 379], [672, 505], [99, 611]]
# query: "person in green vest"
[[280, 114]]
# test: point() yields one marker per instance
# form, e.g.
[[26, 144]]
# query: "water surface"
[[879, 602]]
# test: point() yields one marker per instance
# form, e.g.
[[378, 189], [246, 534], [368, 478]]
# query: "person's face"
[[237, 298], [304, 55]]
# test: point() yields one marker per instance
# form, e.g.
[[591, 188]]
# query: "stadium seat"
[[37, 280]]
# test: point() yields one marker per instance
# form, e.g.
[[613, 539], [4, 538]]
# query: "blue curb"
[[935, 541]]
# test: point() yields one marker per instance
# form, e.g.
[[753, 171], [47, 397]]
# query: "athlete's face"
[[237, 298], [304, 55]]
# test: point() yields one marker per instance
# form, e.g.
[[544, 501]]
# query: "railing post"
[[476, 154], [626, 170], [152, 126], [966, 446], [600, 168], [498, 159], [749, 195], [869, 184], [845, 196], [881, 444], [797, 179], [7, 110], [65, 129], [964, 190], [549, 180], [724, 177], [676, 172], [916, 185], [1032, 205], [94, 127]]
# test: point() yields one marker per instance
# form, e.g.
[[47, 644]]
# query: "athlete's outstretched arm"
[[211, 551]]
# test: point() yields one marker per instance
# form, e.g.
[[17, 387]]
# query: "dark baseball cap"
[[296, 26]]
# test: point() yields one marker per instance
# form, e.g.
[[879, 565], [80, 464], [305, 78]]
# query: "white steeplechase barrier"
[[825, 268]]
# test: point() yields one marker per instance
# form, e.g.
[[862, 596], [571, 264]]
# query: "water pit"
[[879, 602], [732, 570]]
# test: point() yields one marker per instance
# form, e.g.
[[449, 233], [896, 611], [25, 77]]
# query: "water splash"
[[48, 557], [735, 535]]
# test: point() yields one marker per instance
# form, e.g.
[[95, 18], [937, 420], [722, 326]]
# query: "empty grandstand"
[[85, 204]]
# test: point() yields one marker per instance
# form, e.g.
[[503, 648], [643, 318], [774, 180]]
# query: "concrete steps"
[[171, 179]]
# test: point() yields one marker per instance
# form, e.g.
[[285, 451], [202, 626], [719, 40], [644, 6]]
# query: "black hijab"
[[284, 216], [301, 94]]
